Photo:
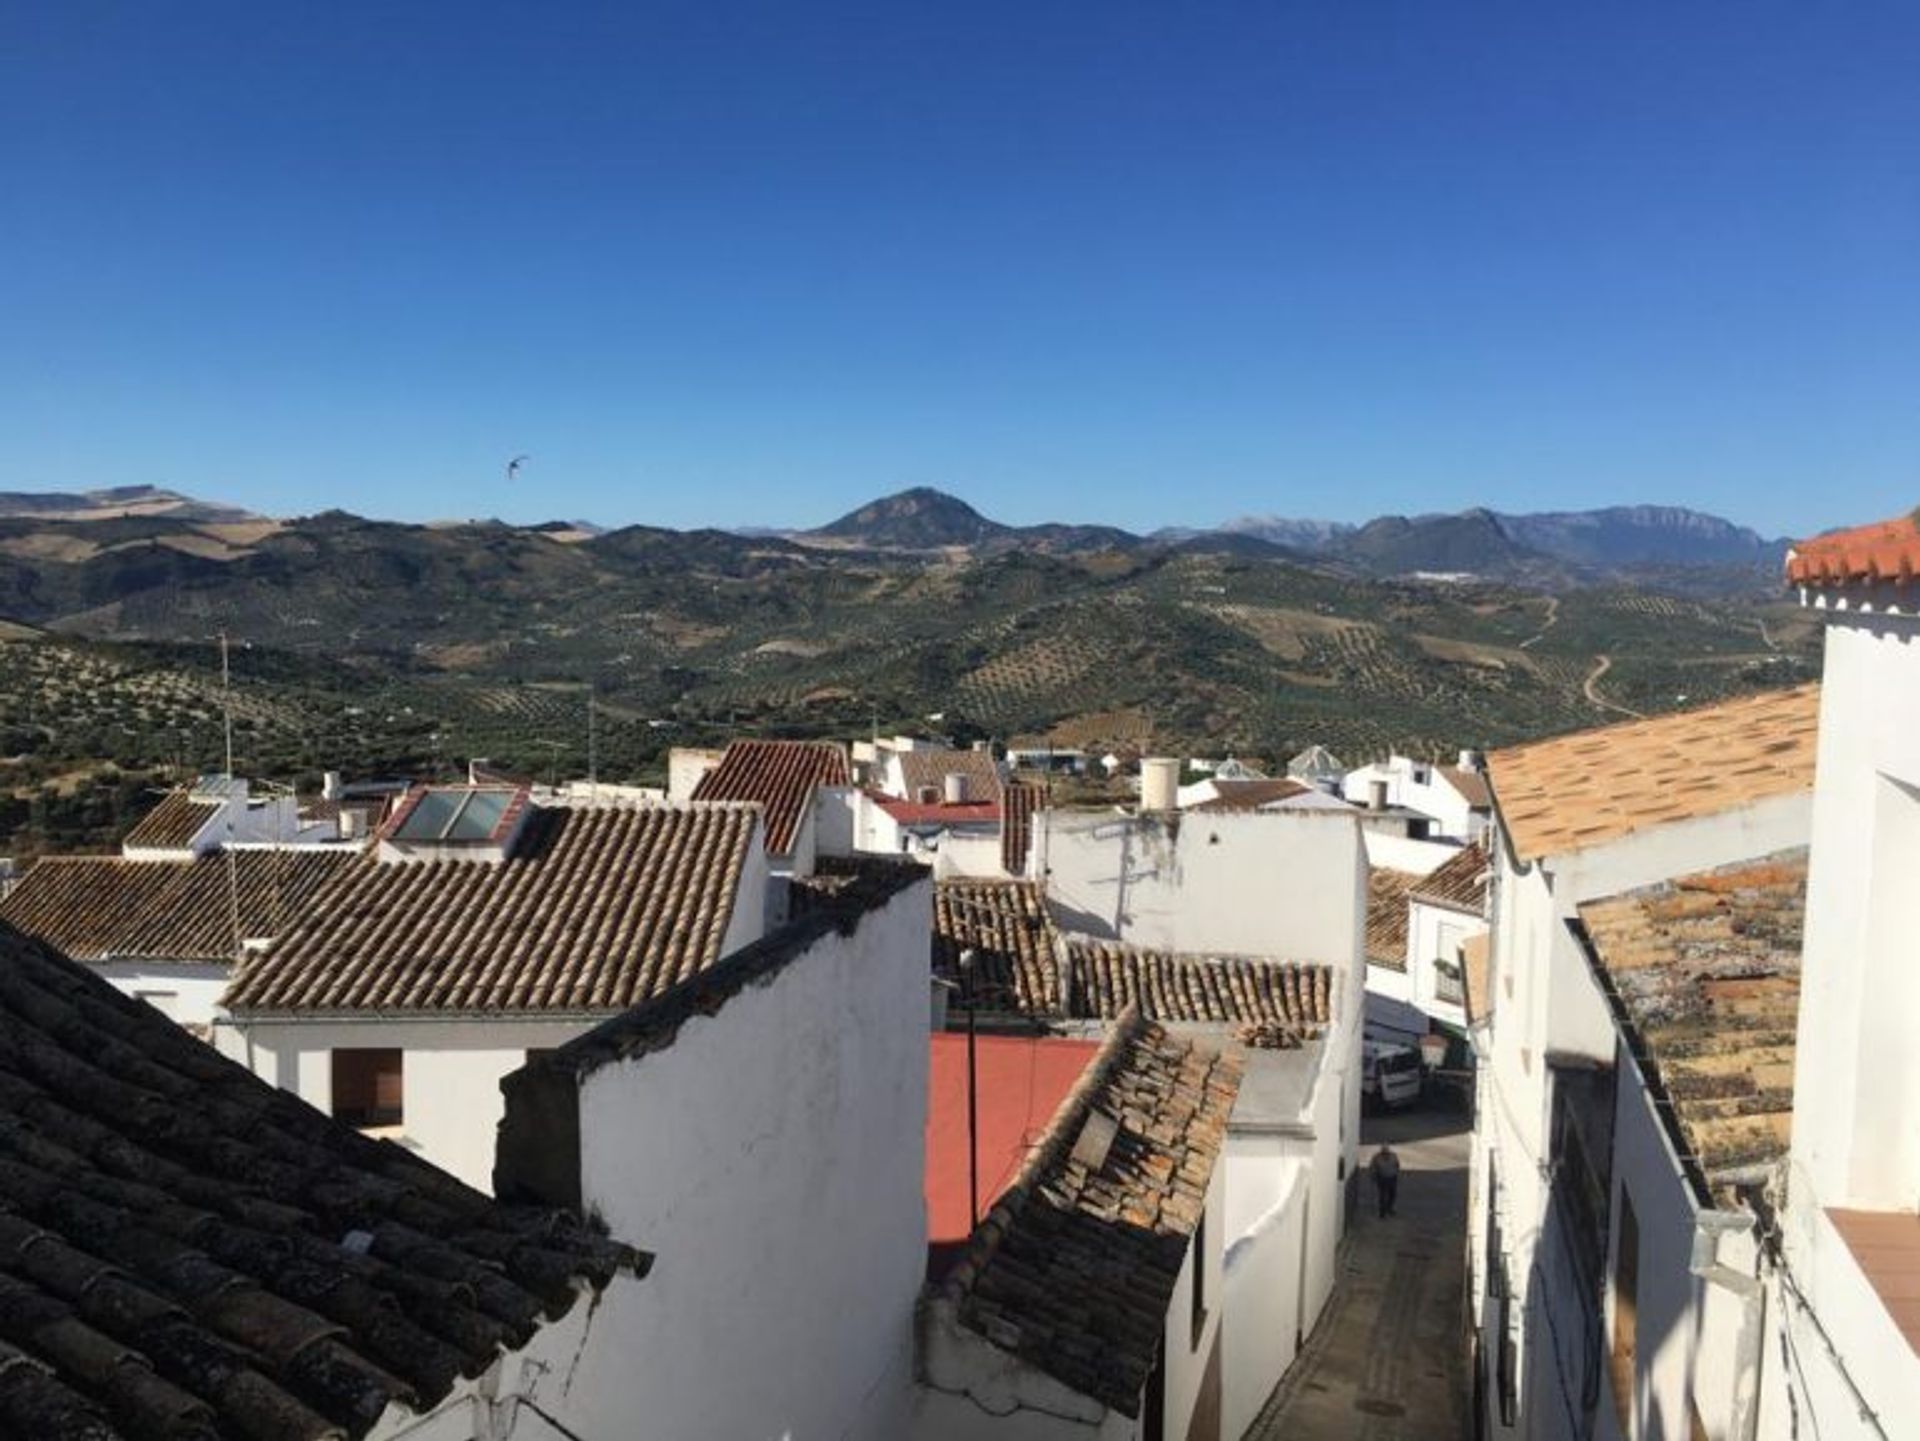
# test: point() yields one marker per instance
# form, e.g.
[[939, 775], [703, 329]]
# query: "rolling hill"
[[372, 645]]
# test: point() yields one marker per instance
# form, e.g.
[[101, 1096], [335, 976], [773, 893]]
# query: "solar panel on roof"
[[480, 815], [455, 815]]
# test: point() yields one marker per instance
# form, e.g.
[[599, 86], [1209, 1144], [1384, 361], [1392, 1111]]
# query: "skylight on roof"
[[455, 816]]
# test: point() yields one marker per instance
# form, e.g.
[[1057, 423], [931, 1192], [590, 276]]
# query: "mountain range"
[[380, 647], [1665, 546]]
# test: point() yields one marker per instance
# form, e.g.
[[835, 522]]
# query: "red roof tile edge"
[[1887, 550]]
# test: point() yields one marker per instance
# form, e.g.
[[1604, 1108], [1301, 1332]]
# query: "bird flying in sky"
[[513, 466]]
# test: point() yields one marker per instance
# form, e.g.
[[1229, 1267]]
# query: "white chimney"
[[349, 823], [330, 786], [955, 788], [1470, 760], [1160, 783], [1376, 795]]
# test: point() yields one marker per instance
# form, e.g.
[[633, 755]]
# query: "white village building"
[[1418, 930], [1446, 802], [483, 929], [1228, 930], [207, 875], [1846, 1287], [185, 1250], [1584, 1189]]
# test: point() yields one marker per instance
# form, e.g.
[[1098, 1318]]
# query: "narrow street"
[[1386, 1361]]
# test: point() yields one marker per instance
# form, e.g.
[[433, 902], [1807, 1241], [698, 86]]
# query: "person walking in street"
[[1386, 1178]]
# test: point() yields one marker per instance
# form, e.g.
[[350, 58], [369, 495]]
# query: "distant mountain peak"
[[117, 502], [921, 518]]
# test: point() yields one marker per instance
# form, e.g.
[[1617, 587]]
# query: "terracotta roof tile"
[[101, 907], [1598, 785], [178, 1253], [1016, 826], [1387, 892], [1024, 964], [1459, 884], [1706, 971], [779, 776], [597, 908], [1888, 550], [171, 825], [1276, 1004], [927, 813], [1075, 1265], [924, 769]]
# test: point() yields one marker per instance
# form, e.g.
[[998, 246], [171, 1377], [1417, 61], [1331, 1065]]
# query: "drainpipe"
[[1708, 1227]]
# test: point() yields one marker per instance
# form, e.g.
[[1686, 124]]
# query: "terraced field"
[[358, 652]]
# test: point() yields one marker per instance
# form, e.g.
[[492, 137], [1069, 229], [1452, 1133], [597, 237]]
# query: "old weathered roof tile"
[[177, 1252], [780, 777], [595, 909], [171, 825], [1705, 971], [1076, 1264], [1595, 786], [1459, 884], [1024, 963], [98, 908]]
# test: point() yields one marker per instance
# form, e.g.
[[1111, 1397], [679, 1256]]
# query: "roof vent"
[[955, 792]]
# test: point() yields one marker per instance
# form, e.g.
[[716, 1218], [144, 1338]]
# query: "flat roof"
[[1020, 1082]]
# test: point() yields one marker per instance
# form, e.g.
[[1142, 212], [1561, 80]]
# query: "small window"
[[367, 1087], [1420, 775], [1199, 1279]]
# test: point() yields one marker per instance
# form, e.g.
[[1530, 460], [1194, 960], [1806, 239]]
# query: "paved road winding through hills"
[[1592, 687]]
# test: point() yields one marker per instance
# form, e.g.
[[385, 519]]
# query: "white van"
[[1390, 1074]]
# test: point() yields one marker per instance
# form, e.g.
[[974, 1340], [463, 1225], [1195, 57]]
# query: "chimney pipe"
[[1160, 784], [1376, 795], [955, 788]]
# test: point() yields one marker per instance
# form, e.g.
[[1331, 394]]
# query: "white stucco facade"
[[451, 1071], [1856, 1144], [1547, 1012], [771, 1158], [186, 992], [1259, 883], [1418, 786], [451, 1065]]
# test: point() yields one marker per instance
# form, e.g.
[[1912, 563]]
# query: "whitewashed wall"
[[1857, 1077], [1435, 933], [1264, 1282], [1688, 1331], [451, 1073], [186, 994], [1399, 853], [969, 856], [1434, 797], [771, 1158], [1265, 883]]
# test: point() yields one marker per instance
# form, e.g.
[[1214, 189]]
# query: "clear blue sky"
[[1139, 263]]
